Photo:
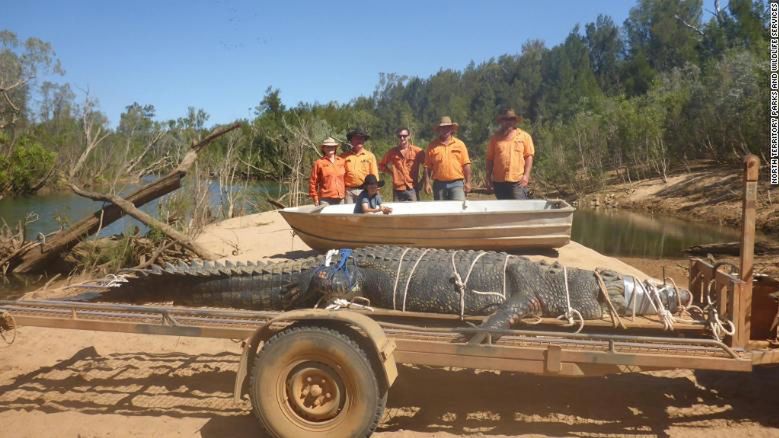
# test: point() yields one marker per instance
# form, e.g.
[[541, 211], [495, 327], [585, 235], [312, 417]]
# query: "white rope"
[[505, 266], [461, 285], [570, 312], [329, 256], [716, 325], [408, 280], [497, 294], [683, 309], [397, 277], [115, 280], [657, 303], [341, 303]]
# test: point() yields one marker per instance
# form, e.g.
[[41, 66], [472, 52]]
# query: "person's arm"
[[313, 184], [366, 208], [489, 162], [428, 171], [467, 174], [466, 163], [419, 185], [384, 161], [488, 174], [528, 168], [374, 168]]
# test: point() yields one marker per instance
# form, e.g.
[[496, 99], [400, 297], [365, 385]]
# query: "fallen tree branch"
[[155, 255], [130, 209], [274, 202], [33, 258]]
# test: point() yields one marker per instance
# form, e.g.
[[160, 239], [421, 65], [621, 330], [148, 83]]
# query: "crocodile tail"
[[253, 285]]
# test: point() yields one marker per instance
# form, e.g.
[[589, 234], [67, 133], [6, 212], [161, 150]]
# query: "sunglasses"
[[403, 135]]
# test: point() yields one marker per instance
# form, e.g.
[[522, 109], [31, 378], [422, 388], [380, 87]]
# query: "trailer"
[[315, 372]]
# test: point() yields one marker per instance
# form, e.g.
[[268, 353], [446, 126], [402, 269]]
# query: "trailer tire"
[[311, 381]]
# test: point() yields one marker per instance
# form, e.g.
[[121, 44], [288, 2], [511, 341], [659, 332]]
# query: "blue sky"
[[222, 55]]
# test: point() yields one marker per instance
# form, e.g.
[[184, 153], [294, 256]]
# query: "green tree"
[[606, 49], [21, 63]]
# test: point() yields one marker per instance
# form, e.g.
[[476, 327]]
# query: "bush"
[[25, 167]]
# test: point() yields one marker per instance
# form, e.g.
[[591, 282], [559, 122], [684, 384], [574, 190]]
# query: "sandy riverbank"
[[89, 384], [704, 193]]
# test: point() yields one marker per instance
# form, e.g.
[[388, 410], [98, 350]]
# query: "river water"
[[54, 210], [611, 232]]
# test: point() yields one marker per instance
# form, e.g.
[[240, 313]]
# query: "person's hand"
[[524, 181], [467, 187], [316, 201], [489, 186], [386, 210], [428, 189]]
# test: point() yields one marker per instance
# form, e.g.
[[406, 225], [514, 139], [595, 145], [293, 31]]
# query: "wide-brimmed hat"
[[508, 114], [371, 179], [329, 141], [447, 121], [357, 131]]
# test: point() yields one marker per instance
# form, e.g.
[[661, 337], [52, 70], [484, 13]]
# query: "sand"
[[64, 383]]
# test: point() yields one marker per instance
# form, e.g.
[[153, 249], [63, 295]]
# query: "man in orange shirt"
[[509, 158], [359, 163], [326, 185], [447, 164], [403, 162]]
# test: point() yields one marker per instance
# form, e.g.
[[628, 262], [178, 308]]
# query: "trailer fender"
[[381, 346]]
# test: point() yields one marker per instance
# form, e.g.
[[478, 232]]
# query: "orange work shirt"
[[358, 166], [508, 155], [327, 179], [405, 168], [446, 160]]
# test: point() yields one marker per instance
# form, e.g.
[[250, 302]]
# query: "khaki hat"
[[508, 114], [447, 121], [329, 141]]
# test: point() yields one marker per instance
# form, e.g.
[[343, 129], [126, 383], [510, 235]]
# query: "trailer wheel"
[[315, 382]]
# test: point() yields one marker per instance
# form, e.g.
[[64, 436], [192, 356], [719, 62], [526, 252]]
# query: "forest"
[[672, 84]]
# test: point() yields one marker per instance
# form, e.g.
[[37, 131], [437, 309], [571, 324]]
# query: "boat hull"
[[489, 225]]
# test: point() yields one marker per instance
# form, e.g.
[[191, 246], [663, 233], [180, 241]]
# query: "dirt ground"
[[90, 384], [60, 383]]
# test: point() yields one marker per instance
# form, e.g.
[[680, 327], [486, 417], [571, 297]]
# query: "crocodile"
[[506, 288]]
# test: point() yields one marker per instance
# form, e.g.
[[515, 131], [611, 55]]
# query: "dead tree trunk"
[[34, 258], [130, 209]]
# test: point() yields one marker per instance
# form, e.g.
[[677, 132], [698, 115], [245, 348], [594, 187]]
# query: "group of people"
[[353, 177]]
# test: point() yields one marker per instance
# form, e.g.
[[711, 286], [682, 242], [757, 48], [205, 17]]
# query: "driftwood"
[[274, 202], [730, 248], [130, 209], [34, 257]]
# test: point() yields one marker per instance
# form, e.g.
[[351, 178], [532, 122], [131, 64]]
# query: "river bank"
[[704, 193]]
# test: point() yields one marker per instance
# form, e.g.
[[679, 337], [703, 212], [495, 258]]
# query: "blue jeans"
[[448, 190], [510, 190], [330, 201], [352, 194], [409, 195]]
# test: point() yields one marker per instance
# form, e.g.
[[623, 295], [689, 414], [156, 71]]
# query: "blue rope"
[[343, 257]]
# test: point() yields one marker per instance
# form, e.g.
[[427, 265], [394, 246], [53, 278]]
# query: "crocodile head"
[[329, 283]]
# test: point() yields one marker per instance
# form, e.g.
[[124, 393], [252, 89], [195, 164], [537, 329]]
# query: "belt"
[[447, 182]]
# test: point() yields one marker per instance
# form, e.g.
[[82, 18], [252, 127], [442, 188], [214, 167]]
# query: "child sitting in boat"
[[369, 200]]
